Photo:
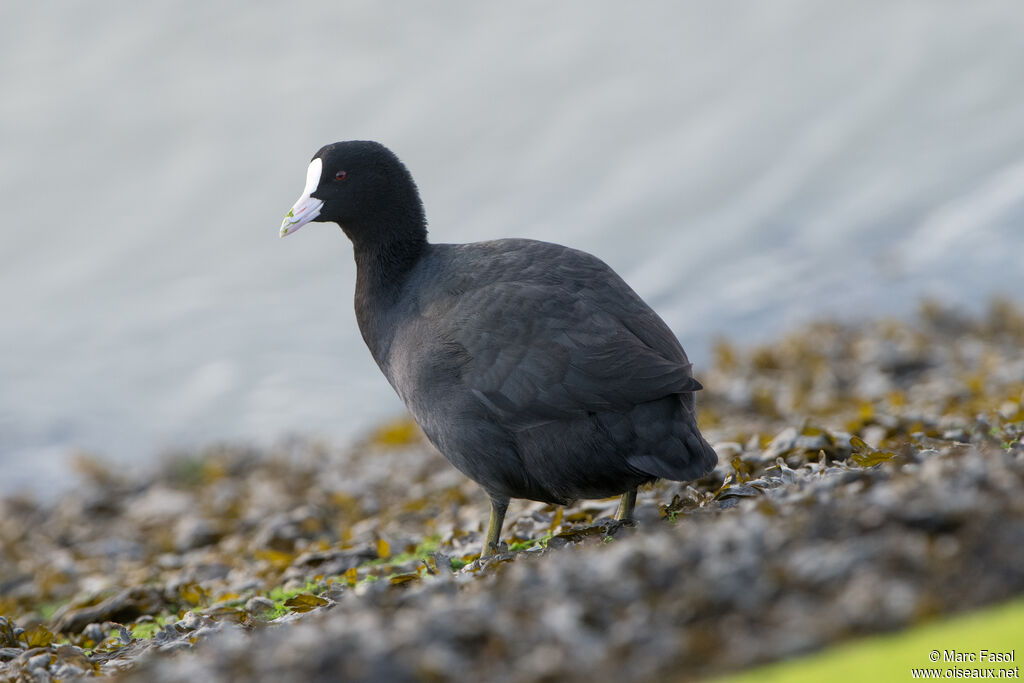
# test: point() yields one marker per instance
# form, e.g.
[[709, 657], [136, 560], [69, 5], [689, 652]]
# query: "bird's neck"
[[383, 265], [382, 269]]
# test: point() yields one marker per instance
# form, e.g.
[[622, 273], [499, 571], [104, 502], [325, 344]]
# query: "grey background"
[[743, 165]]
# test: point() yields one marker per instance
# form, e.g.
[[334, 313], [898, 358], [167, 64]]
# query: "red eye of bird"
[[340, 175]]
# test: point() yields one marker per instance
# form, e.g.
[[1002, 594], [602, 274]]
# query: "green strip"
[[892, 657]]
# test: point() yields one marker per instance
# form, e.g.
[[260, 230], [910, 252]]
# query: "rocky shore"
[[871, 477]]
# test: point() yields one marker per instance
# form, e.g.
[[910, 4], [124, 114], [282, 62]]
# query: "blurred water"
[[744, 166]]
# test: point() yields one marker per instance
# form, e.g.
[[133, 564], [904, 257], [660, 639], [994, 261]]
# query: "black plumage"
[[534, 368]]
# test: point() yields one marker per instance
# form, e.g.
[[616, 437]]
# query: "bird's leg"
[[626, 505], [498, 507]]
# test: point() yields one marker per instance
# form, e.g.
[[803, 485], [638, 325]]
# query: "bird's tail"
[[691, 457], [702, 455]]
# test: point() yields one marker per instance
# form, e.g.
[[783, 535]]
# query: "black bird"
[[533, 367]]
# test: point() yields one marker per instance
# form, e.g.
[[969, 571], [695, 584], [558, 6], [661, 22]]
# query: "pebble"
[[94, 632], [189, 622], [193, 532], [41, 661], [258, 605]]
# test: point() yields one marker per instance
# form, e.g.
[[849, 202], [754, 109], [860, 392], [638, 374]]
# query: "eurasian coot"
[[532, 367]]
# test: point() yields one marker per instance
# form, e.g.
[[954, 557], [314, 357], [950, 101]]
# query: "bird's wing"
[[536, 352]]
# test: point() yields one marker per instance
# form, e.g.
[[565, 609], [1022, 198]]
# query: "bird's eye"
[[340, 175]]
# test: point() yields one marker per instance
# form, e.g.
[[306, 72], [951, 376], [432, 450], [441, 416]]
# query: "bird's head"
[[360, 185]]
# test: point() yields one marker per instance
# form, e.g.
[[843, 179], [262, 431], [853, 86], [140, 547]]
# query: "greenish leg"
[[626, 505], [498, 508]]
